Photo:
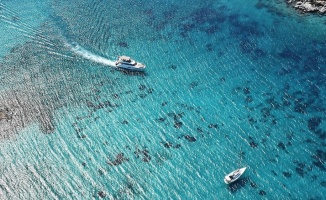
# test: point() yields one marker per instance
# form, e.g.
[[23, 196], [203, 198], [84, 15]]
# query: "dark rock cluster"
[[118, 160], [144, 154]]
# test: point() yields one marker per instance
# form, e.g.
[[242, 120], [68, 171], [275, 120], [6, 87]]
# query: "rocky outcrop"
[[5, 114], [2, 115], [309, 5]]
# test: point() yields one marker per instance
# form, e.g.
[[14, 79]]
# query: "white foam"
[[77, 49]]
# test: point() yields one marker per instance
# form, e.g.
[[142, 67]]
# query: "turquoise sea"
[[227, 84]]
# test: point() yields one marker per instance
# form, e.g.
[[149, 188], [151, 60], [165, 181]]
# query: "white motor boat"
[[125, 62], [235, 175]]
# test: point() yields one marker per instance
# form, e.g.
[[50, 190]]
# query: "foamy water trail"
[[13, 20], [77, 49], [11, 17]]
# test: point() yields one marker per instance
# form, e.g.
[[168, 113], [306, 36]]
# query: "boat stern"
[[227, 180]]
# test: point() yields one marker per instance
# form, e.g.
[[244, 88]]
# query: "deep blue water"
[[227, 84]]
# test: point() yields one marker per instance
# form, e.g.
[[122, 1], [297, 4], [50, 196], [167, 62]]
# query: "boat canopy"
[[125, 58]]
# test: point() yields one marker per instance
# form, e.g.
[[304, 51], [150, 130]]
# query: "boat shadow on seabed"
[[236, 186]]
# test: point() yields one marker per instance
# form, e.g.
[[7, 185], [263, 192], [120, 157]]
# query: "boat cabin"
[[125, 58]]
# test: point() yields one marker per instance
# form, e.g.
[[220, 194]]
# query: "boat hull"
[[130, 67], [236, 174]]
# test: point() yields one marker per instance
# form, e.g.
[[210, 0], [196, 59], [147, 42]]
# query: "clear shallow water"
[[222, 77]]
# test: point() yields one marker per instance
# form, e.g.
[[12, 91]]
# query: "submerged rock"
[[161, 119], [319, 159], [142, 87], [253, 144], [101, 194], [168, 145], [281, 145], [323, 183], [314, 122], [4, 115], [123, 44], [119, 160], [124, 122], [190, 138], [213, 126], [145, 154], [287, 174], [173, 67], [253, 185], [177, 124]]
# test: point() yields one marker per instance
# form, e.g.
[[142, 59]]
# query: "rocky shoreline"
[[309, 5]]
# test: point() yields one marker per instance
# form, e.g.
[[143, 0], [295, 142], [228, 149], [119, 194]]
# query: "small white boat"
[[235, 175], [125, 62]]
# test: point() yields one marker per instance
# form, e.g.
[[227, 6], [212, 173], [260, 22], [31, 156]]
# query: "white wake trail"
[[77, 49]]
